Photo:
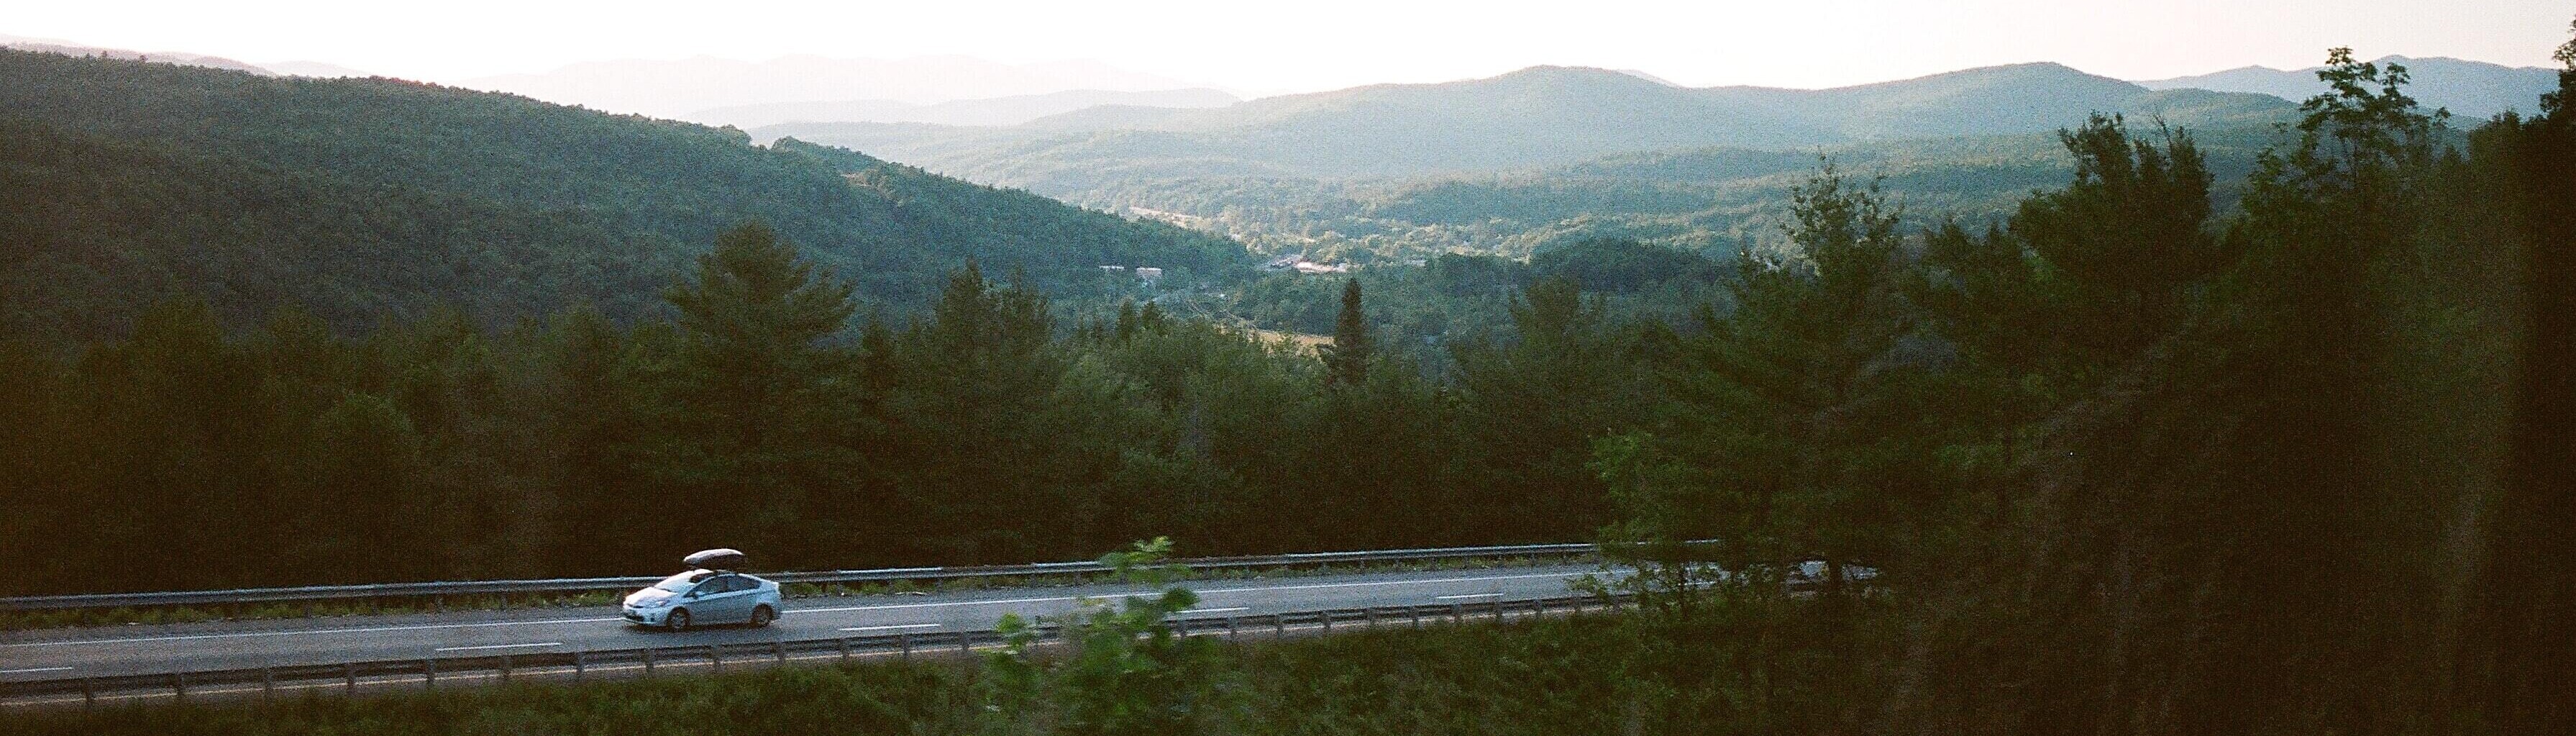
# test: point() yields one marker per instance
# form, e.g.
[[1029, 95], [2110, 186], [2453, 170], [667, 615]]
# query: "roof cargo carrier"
[[715, 559]]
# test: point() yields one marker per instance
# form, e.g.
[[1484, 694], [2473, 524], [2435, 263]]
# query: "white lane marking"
[[33, 669], [1469, 595], [1203, 592], [1387, 582], [366, 630], [890, 626], [930, 605], [1216, 610], [501, 646]]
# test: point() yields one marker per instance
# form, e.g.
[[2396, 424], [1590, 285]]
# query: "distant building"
[[1113, 269], [1297, 262], [1148, 274]]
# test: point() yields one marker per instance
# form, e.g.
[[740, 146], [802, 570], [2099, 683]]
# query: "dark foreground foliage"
[[1753, 671]]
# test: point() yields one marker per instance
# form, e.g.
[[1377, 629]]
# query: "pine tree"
[[757, 374], [1346, 361]]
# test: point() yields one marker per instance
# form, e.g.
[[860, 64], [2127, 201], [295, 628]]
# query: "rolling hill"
[[365, 199], [2475, 90], [1011, 110], [1540, 116], [677, 87]]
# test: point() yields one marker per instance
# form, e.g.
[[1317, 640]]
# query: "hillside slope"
[[358, 200]]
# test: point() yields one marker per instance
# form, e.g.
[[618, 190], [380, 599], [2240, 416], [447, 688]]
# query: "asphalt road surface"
[[127, 650]]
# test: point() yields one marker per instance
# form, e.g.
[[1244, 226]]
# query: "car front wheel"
[[679, 620], [762, 616]]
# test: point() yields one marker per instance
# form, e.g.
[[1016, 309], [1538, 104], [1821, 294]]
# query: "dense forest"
[[2132, 457], [763, 414], [125, 183]]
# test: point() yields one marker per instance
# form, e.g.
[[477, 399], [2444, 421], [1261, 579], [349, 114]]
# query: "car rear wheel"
[[762, 616], [679, 620]]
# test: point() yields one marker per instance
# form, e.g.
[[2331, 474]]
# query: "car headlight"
[[655, 603]]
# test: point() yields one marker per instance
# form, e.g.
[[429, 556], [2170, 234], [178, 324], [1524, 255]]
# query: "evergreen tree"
[[1346, 361], [758, 379], [1533, 406], [1784, 395]]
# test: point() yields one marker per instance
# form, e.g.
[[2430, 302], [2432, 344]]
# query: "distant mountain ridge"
[[2475, 90], [69, 48], [996, 111], [1538, 116], [676, 88]]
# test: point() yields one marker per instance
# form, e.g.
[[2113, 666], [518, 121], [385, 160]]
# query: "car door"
[[741, 594], [716, 602]]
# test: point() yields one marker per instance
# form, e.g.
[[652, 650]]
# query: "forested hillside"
[[1550, 155], [360, 200], [1711, 201]]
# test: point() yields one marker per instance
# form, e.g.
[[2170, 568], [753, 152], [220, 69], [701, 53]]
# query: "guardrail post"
[[715, 659], [779, 650], [1457, 613], [648, 663], [89, 695], [1498, 610], [1372, 617], [349, 672], [577, 666], [1279, 626], [1416, 613], [1229, 628], [179, 687], [1327, 616], [267, 683], [963, 646], [843, 644], [505, 668], [429, 674], [904, 640]]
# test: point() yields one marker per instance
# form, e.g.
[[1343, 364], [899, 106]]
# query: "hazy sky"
[[1323, 44]]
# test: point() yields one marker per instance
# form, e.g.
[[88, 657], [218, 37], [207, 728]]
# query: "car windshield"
[[680, 583]]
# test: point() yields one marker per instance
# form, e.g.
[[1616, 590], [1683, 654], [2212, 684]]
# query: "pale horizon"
[[1335, 44]]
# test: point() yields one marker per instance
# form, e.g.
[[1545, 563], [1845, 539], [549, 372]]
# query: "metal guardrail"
[[427, 672], [490, 587]]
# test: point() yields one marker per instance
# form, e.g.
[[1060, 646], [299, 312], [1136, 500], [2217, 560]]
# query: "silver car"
[[701, 597]]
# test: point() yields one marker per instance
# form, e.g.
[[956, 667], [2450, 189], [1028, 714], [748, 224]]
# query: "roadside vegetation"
[[1591, 674]]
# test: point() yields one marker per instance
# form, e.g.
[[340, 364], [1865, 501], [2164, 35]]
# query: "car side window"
[[743, 583]]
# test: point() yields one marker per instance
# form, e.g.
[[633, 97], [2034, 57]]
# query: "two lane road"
[[129, 650]]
